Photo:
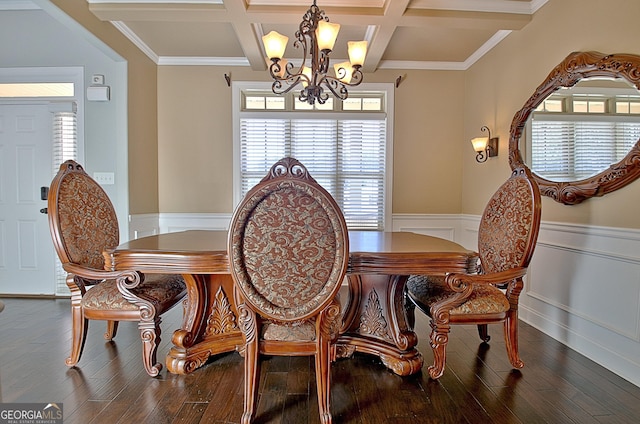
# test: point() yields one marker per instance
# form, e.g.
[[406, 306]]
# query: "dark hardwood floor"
[[557, 384]]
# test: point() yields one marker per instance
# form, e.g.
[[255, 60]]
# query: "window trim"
[[238, 87]]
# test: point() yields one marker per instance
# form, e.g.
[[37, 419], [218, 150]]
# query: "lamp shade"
[[326, 34], [343, 71], [275, 44], [480, 143], [307, 72], [357, 52]]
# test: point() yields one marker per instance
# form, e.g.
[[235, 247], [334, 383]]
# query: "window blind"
[[65, 147], [577, 149], [345, 156]]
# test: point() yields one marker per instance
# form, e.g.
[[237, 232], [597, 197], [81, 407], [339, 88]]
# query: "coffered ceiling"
[[402, 34]]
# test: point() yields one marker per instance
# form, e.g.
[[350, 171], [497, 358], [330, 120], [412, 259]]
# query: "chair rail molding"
[[582, 288]]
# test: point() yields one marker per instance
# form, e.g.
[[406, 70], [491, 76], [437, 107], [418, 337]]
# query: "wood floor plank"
[[109, 385]]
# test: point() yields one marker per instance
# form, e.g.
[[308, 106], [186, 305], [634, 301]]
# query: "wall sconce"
[[486, 147]]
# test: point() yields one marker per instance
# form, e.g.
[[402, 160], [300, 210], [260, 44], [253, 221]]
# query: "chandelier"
[[316, 36]]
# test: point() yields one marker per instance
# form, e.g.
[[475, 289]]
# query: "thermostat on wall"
[[98, 94]]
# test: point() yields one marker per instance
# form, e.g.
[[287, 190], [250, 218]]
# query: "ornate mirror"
[[579, 132]]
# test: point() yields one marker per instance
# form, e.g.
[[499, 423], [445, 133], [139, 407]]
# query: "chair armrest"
[[100, 274], [458, 282], [462, 286], [125, 279]]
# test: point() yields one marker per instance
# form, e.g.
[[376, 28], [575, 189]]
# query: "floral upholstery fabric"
[[87, 225], [485, 299], [160, 289], [506, 227], [87, 221], [289, 331], [288, 256], [506, 238]]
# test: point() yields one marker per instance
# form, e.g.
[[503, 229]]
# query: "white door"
[[27, 263]]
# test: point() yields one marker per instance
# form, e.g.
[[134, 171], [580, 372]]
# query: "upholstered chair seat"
[[294, 331], [161, 290], [484, 298]]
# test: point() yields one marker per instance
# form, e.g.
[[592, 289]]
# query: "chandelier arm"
[[336, 86], [356, 77]]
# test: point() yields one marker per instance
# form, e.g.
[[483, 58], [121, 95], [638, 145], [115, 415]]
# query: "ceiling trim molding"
[[156, 1], [133, 37], [537, 4], [486, 47], [496, 6], [384, 64], [202, 61], [422, 65]]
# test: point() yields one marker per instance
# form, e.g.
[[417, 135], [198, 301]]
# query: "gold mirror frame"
[[576, 66]]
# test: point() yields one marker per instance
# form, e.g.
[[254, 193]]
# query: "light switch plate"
[[104, 178]]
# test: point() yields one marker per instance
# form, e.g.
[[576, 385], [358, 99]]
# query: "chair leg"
[[323, 381], [79, 326], [251, 377], [483, 332], [439, 340], [112, 329], [511, 339], [150, 335]]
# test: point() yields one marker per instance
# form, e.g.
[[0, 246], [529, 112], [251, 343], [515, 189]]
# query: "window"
[[570, 149], [65, 138], [65, 147], [346, 151], [575, 137]]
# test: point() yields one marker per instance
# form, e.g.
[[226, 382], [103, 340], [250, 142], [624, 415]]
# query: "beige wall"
[[195, 139], [188, 111], [500, 83], [142, 125]]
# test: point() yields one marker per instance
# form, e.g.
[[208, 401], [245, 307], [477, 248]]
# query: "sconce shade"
[[326, 34], [485, 147], [357, 52], [275, 44], [343, 71], [480, 143]]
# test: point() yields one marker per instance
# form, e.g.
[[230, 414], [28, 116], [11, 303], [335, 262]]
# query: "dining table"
[[374, 317]]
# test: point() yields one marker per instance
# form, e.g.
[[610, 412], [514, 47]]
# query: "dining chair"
[[507, 237], [83, 223], [288, 247]]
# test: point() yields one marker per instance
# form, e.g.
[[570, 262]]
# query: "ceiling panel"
[[190, 39], [401, 33], [435, 44]]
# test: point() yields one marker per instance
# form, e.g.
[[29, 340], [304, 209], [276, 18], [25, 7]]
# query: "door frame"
[[51, 74]]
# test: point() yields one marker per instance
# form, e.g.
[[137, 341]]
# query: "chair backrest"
[[82, 219], [288, 244], [509, 226]]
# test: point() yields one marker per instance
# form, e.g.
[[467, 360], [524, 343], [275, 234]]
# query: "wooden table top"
[[205, 252]]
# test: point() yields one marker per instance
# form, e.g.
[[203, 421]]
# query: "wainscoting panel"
[[443, 226], [602, 289], [143, 225], [172, 222], [582, 288]]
